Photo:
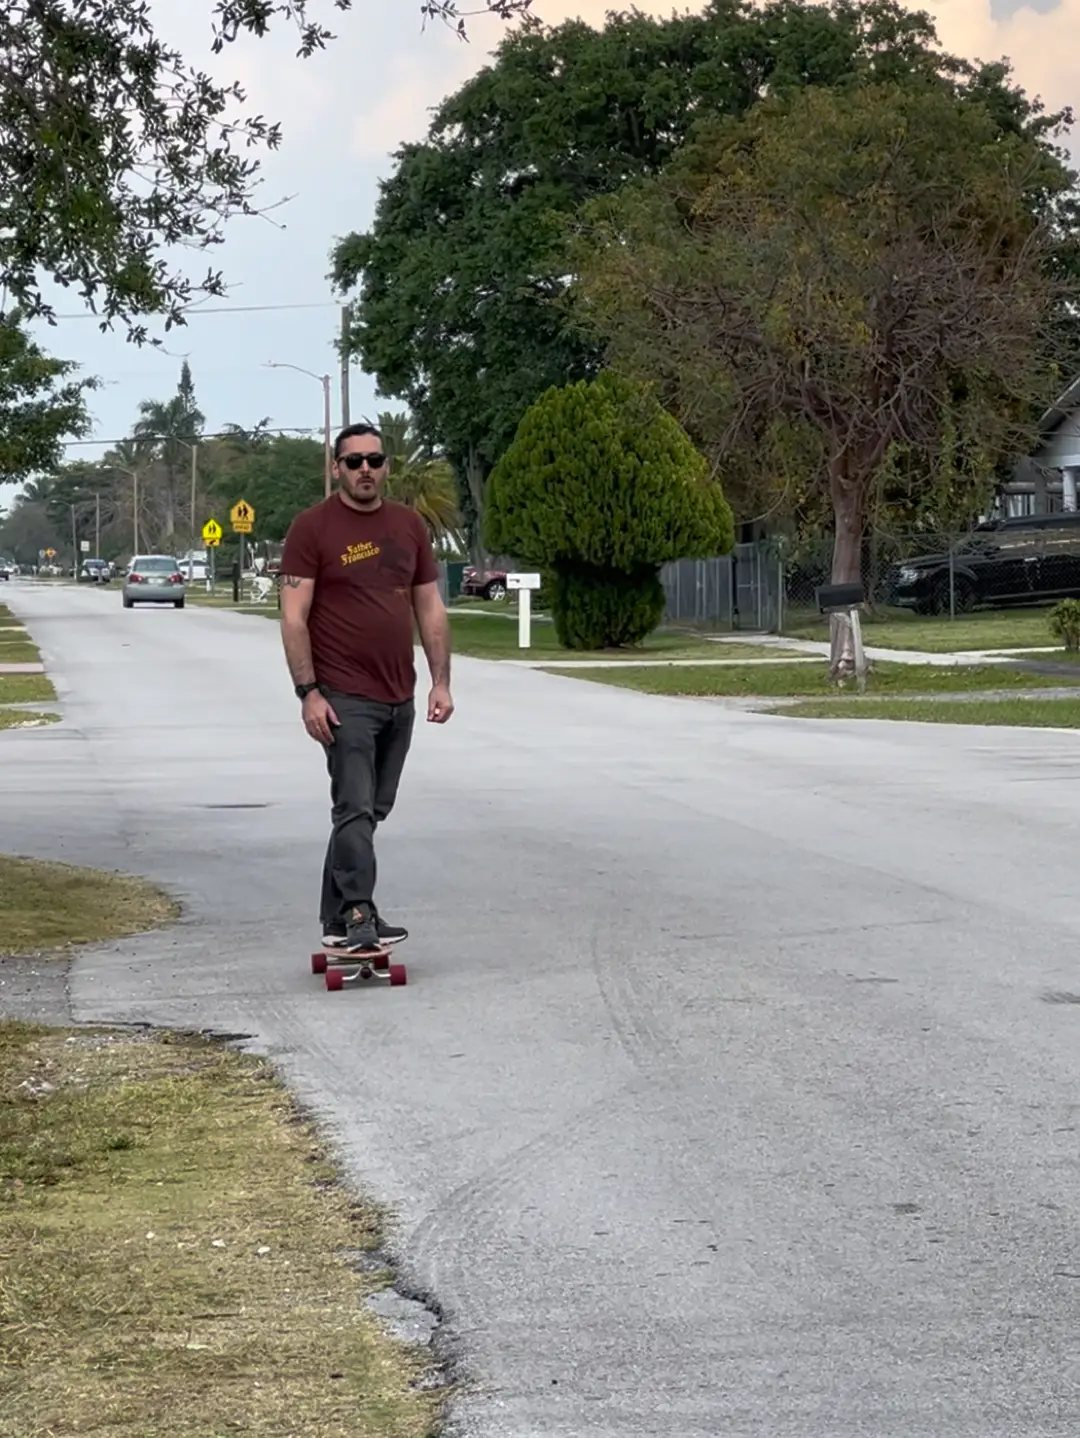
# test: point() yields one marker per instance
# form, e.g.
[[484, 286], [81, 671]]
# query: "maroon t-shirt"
[[364, 567]]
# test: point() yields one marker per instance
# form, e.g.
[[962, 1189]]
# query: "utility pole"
[[97, 525], [74, 544], [346, 326], [194, 482]]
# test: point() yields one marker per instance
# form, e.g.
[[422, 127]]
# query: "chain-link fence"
[[740, 590], [1025, 560], [772, 585]]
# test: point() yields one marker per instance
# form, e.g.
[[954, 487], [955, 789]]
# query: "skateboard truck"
[[341, 967]]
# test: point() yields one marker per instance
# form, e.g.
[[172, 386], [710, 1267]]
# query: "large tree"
[[115, 148], [42, 404], [420, 478], [461, 281], [845, 285]]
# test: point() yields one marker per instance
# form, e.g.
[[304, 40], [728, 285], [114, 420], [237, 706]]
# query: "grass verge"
[[48, 906], [488, 635], [18, 651], [177, 1253], [1020, 713], [25, 689], [785, 680], [990, 629], [25, 719]]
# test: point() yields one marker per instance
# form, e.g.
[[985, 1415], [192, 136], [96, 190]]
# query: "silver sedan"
[[153, 579]]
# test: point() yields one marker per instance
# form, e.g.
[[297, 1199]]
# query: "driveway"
[[736, 1088]]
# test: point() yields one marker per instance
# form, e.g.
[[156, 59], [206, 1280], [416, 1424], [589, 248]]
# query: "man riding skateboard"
[[355, 571]]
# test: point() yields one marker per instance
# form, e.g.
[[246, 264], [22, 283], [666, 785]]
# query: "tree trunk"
[[474, 478], [846, 563]]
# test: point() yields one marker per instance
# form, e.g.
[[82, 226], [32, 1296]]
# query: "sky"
[[343, 113]]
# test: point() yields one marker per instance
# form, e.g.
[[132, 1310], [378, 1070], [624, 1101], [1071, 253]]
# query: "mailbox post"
[[846, 600], [524, 584]]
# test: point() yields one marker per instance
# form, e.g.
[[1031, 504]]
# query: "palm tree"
[[420, 479], [170, 429]]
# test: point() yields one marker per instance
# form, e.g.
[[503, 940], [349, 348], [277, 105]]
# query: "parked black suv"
[[1005, 561]]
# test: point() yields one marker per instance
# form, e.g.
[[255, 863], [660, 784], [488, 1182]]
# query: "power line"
[[220, 310], [220, 434]]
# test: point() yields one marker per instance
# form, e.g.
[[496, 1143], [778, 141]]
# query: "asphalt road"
[[736, 1089]]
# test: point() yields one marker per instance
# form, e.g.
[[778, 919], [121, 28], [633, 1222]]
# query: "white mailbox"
[[524, 584]]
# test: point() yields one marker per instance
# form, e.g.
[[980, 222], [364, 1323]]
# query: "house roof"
[[1060, 410]]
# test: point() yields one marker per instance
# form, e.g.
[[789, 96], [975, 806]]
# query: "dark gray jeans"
[[365, 763]]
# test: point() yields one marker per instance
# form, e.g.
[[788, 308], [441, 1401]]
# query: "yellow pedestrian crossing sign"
[[211, 532], [242, 517]]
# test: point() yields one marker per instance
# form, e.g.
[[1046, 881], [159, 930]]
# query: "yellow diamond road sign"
[[211, 532], [242, 517]]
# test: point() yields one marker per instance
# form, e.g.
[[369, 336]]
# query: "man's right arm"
[[296, 597]]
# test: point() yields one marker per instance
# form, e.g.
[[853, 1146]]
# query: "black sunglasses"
[[354, 461]]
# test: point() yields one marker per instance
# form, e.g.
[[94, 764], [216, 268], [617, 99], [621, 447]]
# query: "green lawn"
[[1025, 713], [495, 636], [992, 629], [25, 688], [25, 718], [18, 651], [783, 680]]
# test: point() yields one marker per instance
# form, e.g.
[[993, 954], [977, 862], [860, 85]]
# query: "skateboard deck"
[[340, 967]]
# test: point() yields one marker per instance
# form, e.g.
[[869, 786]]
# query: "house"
[[1047, 480]]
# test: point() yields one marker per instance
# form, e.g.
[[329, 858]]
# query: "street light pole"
[[328, 444], [328, 454]]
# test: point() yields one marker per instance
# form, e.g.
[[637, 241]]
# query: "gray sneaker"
[[361, 932]]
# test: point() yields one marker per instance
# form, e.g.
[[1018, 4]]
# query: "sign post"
[[211, 533], [242, 518], [524, 584]]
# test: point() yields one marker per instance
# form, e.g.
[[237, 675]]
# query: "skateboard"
[[341, 968]]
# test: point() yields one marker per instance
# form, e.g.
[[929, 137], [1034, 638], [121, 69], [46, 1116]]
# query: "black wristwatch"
[[303, 690]]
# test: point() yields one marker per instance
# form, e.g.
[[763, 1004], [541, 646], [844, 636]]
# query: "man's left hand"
[[439, 706]]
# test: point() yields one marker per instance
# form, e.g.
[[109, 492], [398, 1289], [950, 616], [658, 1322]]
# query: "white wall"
[[1064, 447]]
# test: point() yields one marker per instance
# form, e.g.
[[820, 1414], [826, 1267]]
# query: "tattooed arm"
[[318, 714], [296, 597]]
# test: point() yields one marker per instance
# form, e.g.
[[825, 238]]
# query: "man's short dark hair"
[[354, 431]]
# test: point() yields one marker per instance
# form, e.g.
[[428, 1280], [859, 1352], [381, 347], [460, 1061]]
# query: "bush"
[[1065, 623], [598, 490]]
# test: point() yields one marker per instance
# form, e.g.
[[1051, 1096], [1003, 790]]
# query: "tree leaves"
[[41, 405], [115, 148], [864, 264]]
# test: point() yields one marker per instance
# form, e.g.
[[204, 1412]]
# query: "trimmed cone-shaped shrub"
[[599, 489]]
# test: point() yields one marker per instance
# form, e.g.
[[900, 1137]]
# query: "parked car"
[[483, 583], [1002, 562], [153, 579], [7, 568]]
